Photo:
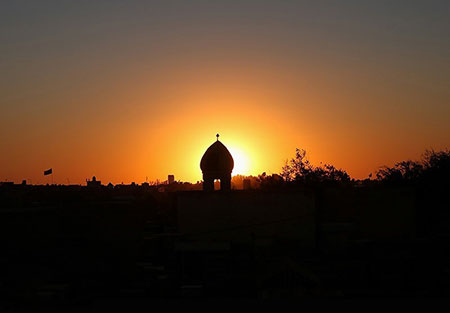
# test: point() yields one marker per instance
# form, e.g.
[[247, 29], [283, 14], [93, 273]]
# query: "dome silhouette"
[[217, 158], [217, 163]]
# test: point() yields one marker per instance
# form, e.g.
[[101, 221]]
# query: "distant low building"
[[94, 182]]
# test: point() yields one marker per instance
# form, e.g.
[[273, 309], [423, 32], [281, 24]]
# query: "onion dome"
[[217, 158]]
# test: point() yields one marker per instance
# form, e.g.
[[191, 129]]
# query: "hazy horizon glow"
[[136, 89]]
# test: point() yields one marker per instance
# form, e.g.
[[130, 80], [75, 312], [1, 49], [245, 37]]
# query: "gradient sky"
[[126, 90]]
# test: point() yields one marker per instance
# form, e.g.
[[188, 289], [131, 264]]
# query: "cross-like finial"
[[217, 137]]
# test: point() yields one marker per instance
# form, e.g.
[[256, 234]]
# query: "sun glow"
[[241, 165]]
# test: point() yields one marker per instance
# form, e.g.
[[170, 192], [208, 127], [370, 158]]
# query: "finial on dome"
[[217, 137]]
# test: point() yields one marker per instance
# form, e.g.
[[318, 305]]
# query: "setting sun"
[[241, 164]]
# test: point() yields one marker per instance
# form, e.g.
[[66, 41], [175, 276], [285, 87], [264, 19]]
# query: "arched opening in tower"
[[217, 184]]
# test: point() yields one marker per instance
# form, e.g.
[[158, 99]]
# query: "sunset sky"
[[125, 90]]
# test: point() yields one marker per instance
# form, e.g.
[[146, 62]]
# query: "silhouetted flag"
[[48, 172]]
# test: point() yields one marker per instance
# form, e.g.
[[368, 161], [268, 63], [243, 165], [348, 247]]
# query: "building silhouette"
[[217, 163], [94, 182]]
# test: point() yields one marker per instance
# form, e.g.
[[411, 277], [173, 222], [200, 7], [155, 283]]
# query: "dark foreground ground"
[[88, 251]]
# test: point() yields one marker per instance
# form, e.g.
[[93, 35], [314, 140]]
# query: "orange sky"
[[107, 96]]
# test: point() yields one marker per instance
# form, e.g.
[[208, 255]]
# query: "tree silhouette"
[[300, 169], [296, 168], [434, 168]]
